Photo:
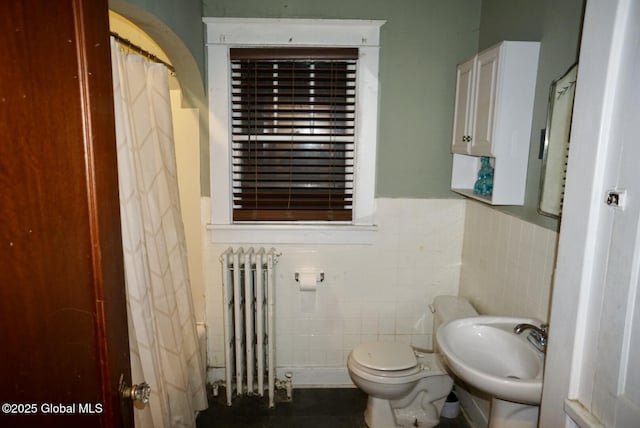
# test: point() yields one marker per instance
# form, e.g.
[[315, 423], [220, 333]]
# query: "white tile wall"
[[423, 248], [507, 263], [370, 292]]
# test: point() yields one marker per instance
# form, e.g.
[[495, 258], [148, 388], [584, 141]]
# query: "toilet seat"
[[385, 376], [414, 368], [387, 356]]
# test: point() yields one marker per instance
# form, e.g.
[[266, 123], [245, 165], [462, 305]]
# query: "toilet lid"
[[385, 356]]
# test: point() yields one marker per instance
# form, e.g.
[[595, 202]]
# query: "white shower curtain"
[[162, 331]]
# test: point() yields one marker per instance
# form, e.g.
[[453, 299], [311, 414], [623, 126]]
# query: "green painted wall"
[[556, 24], [176, 26], [182, 17], [421, 43]]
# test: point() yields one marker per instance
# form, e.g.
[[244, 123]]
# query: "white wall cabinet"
[[495, 92]]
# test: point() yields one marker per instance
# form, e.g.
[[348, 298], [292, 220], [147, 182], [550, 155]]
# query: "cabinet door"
[[486, 78], [463, 117]]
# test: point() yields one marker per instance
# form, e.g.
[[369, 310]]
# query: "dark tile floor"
[[310, 408]]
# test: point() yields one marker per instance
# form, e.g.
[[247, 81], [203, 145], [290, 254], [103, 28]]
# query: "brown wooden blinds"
[[293, 126]]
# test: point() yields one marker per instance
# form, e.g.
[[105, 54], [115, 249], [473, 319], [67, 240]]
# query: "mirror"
[[556, 143]]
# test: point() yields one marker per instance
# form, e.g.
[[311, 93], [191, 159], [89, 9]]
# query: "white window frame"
[[224, 33]]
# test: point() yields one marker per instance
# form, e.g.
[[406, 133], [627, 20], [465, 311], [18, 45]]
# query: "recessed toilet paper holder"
[[320, 276]]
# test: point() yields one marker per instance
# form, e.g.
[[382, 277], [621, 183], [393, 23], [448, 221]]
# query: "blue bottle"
[[484, 184]]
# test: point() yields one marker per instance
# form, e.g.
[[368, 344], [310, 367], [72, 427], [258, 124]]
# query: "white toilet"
[[405, 387]]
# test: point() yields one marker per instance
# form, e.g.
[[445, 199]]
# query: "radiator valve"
[[216, 387], [287, 385]]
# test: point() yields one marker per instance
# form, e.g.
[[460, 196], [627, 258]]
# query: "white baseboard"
[[302, 377], [317, 377], [215, 374]]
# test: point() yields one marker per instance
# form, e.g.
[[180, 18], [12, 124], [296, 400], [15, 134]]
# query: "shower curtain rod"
[[141, 51]]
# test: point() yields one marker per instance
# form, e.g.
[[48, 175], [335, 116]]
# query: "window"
[[293, 124], [293, 127]]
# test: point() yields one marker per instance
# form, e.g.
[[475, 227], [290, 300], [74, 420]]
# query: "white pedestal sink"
[[485, 352]]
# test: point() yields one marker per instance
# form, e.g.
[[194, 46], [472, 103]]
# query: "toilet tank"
[[447, 308]]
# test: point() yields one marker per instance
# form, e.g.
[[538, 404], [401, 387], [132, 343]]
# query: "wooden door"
[[63, 327]]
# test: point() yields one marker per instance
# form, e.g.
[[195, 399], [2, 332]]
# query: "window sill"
[[292, 234]]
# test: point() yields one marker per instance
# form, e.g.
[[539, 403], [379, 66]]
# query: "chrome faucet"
[[537, 336]]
